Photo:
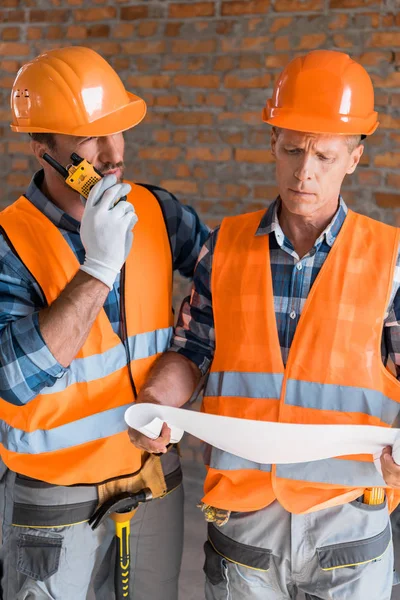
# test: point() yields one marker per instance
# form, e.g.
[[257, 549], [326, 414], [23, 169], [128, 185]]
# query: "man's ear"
[[355, 158], [274, 138], [38, 150]]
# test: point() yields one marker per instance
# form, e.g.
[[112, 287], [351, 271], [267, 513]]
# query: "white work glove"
[[106, 230]]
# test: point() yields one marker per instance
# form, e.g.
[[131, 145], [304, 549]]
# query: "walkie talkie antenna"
[[56, 165]]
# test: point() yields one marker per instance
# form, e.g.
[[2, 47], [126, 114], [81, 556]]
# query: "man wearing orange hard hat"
[[294, 313], [85, 310]]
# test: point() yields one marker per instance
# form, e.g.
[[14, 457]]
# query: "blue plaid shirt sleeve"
[[26, 363], [194, 334]]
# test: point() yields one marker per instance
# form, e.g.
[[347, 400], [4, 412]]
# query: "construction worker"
[[289, 307], [85, 297]]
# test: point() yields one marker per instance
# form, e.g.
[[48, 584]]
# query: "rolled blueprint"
[[264, 442]]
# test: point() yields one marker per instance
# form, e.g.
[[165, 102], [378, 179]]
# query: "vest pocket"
[[38, 556], [241, 554], [355, 553]]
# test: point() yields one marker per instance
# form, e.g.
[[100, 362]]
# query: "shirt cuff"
[[26, 332]]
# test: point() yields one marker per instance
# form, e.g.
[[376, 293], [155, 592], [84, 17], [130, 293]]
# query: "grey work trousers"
[[340, 553], [75, 563]]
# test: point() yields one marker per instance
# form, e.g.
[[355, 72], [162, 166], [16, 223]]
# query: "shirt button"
[[299, 266], [292, 315]]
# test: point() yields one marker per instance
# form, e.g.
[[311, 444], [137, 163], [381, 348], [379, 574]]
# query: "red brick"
[[196, 63], [10, 66], [248, 7], [368, 177], [208, 136], [105, 48], [251, 61], [180, 186], [197, 81], [20, 164], [162, 136], [7, 82], [253, 156], [147, 28], [392, 80], [10, 34], [48, 16], [143, 47], [169, 100], [190, 118], [223, 63], [130, 13], [282, 43], [10, 3], [157, 153], [280, 23], [389, 122], [277, 60], [149, 81], [251, 118], [387, 200], [173, 29], [390, 160], [54, 32], [341, 41], [353, 3], [258, 43], [99, 30], [76, 32], [265, 192], [19, 148], [225, 27], [181, 170], [12, 16], [193, 47], [18, 179], [95, 14], [311, 41], [180, 136], [241, 81], [296, 6], [14, 49], [371, 59], [194, 9], [338, 22], [209, 154], [123, 30], [385, 39], [393, 180]]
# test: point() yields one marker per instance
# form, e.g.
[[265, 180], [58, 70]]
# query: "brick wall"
[[205, 69]]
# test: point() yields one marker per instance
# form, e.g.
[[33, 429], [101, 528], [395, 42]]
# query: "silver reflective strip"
[[100, 425], [246, 385], [225, 461], [338, 472], [98, 366], [341, 398]]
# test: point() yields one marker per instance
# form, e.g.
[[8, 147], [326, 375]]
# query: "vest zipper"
[[124, 330]]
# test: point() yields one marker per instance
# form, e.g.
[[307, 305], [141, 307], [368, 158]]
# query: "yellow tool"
[[121, 509], [374, 496], [81, 175]]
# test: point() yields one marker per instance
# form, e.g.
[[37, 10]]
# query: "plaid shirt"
[[292, 281], [26, 364]]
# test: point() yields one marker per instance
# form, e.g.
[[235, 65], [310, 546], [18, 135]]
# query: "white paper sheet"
[[264, 442]]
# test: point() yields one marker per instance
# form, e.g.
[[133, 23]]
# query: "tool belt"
[[89, 499]]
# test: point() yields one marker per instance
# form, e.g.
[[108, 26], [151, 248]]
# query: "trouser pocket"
[[38, 554]]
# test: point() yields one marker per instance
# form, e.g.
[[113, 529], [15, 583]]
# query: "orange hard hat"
[[73, 91], [323, 92]]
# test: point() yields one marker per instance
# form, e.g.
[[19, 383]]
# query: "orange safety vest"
[[74, 432], [334, 373]]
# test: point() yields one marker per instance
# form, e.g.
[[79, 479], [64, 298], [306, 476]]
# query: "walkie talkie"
[[81, 175]]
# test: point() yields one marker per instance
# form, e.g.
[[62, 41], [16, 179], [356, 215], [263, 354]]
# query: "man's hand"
[[390, 470], [157, 446]]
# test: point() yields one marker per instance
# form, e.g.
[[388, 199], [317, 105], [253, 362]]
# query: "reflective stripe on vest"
[[305, 394], [74, 431], [334, 373]]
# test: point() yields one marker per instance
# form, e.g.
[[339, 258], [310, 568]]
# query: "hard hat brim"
[[344, 125], [120, 120]]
